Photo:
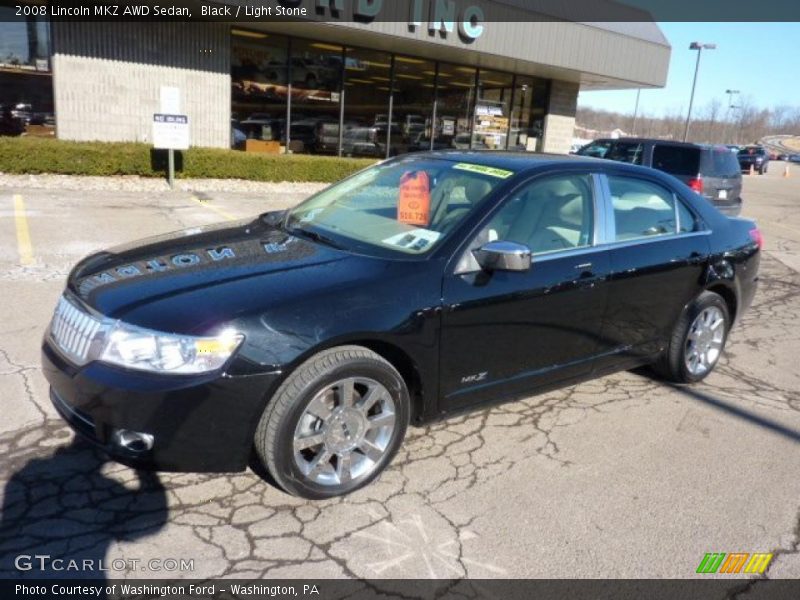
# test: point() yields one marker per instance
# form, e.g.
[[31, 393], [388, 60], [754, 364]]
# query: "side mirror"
[[503, 256]]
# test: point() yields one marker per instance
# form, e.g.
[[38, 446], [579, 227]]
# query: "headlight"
[[135, 348]]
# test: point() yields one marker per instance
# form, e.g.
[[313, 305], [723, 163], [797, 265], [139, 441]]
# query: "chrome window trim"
[[608, 231], [655, 238]]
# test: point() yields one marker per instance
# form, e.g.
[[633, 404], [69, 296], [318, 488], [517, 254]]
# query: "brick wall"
[[108, 77], [559, 122]]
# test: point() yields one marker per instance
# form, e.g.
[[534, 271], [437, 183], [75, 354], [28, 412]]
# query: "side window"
[[641, 209], [626, 152], [686, 219], [597, 149], [676, 160], [547, 215]]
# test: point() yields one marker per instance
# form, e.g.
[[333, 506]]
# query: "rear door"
[[658, 251]]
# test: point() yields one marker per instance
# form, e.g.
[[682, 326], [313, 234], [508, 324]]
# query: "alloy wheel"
[[344, 431], [704, 341]]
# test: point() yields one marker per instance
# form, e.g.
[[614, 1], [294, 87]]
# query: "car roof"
[[650, 140], [514, 161], [529, 162]]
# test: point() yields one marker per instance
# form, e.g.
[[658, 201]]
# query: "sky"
[[758, 59]]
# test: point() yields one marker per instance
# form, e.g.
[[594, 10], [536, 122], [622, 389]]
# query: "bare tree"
[[745, 123]]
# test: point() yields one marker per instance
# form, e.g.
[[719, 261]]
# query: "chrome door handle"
[[584, 266]]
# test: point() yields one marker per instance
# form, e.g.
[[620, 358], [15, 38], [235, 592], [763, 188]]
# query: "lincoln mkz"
[[434, 283]]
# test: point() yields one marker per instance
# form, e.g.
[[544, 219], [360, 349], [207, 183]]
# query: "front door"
[[507, 332]]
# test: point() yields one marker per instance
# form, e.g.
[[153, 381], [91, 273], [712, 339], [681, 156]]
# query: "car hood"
[[194, 272]]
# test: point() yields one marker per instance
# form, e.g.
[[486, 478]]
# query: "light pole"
[[731, 94], [635, 112], [699, 47]]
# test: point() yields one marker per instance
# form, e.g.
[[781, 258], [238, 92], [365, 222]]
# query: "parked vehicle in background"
[[10, 125], [733, 148], [371, 141], [794, 158], [711, 171], [756, 157]]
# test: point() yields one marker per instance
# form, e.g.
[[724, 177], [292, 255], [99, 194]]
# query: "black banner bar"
[[402, 589], [424, 12]]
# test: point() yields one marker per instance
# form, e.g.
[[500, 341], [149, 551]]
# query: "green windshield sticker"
[[484, 170]]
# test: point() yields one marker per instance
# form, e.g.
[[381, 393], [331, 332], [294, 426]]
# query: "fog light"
[[133, 441]]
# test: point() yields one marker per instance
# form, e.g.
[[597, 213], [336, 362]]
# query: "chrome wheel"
[[704, 341], [344, 431]]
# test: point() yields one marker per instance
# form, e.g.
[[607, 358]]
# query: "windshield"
[[404, 207], [629, 152]]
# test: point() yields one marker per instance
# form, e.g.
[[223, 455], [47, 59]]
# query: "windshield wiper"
[[315, 236]]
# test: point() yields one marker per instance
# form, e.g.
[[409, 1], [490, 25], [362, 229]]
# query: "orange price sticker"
[[414, 207]]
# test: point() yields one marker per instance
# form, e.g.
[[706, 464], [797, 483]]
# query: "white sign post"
[[170, 132]]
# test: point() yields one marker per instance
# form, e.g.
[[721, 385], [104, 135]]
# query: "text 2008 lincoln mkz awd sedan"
[[421, 286]]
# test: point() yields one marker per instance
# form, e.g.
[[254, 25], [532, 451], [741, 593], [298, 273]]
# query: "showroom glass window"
[[26, 82], [413, 104], [259, 87], [527, 114], [366, 107], [316, 76], [456, 103], [492, 109]]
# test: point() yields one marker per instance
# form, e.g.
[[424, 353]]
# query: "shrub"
[[27, 155]]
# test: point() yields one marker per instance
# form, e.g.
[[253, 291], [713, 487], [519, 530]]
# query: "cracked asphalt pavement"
[[624, 476]]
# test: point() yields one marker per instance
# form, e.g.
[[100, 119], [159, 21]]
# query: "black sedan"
[[425, 285]]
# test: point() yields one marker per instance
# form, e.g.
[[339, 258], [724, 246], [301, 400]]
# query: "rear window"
[[676, 160], [719, 162], [621, 151], [751, 150]]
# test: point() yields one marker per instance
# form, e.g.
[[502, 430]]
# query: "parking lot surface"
[[621, 477]]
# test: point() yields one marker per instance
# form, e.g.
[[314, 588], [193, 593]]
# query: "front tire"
[[697, 340], [334, 424]]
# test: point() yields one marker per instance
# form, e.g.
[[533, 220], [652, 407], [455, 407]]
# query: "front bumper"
[[199, 423]]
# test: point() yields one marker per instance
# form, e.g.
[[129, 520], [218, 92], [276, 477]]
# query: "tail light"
[[757, 237], [696, 184]]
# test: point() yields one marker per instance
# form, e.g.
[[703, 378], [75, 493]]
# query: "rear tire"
[[334, 424], [697, 340]]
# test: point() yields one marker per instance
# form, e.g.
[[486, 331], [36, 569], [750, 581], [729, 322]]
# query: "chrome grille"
[[73, 330]]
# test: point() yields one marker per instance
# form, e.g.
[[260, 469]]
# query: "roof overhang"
[[597, 55]]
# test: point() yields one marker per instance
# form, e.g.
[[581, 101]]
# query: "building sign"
[[170, 132], [441, 16]]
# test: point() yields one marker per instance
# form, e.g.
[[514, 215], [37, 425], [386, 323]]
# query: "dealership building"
[[362, 78]]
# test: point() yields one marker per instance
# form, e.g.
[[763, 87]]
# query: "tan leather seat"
[[475, 190]]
